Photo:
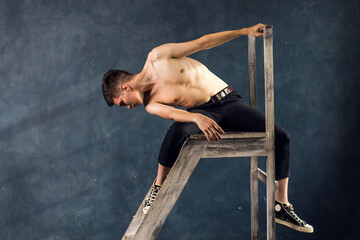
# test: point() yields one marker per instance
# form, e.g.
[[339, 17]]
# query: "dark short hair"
[[110, 84]]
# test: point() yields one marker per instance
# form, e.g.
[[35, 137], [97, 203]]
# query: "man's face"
[[128, 98]]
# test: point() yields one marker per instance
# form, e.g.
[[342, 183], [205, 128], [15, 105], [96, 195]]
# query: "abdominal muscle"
[[183, 82]]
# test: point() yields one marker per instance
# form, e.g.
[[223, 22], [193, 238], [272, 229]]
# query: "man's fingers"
[[215, 133], [212, 134], [207, 136], [258, 30], [219, 129]]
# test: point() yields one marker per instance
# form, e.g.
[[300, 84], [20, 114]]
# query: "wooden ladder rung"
[[262, 177], [230, 135]]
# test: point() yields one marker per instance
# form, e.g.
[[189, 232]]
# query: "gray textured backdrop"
[[72, 168]]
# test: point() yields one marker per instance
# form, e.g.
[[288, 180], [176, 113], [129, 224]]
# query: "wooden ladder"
[[233, 144]]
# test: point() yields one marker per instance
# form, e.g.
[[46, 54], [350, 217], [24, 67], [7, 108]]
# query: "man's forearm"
[[180, 115], [215, 39]]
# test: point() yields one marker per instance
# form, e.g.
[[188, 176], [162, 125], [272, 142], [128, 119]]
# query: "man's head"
[[117, 90]]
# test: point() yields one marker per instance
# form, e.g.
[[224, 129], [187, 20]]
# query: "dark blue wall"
[[72, 168]]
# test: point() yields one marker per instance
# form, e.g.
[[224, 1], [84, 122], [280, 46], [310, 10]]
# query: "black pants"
[[232, 114]]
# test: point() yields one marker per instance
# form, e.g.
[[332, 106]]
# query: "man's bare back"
[[182, 82]]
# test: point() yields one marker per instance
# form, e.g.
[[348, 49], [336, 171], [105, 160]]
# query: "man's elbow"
[[170, 115], [205, 43]]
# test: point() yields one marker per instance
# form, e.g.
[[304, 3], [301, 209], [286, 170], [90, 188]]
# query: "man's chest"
[[176, 95]]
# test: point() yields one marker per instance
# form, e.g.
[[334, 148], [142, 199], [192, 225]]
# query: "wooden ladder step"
[[229, 135], [262, 177]]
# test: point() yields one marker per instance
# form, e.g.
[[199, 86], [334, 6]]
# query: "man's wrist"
[[244, 31], [195, 117]]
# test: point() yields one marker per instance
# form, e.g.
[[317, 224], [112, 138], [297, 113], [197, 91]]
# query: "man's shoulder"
[[149, 100], [155, 55], [154, 59]]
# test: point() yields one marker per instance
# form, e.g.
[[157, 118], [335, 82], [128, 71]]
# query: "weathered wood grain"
[[236, 148], [137, 220], [171, 189], [254, 197], [252, 70], [228, 135], [270, 130]]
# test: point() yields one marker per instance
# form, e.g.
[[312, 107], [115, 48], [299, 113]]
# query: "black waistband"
[[210, 102]]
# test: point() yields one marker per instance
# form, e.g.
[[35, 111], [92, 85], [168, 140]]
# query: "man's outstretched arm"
[[208, 41], [215, 39]]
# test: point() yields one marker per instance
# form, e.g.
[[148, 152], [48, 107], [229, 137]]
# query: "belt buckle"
[[215, 98]]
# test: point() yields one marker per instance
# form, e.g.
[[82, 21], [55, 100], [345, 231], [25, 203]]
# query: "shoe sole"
[[146, 210], [309, 229]]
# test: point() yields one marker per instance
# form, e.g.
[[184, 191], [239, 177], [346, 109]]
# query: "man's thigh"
[[238, 116], [188, 128], [175, 137]]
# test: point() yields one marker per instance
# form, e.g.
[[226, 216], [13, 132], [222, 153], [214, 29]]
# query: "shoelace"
[[152, 197], [291, 208]]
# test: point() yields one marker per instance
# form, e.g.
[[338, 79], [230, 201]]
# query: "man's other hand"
[[209, 127], [255, 30]]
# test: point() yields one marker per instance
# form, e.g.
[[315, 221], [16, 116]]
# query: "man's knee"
[[287, 136], [282, 136]]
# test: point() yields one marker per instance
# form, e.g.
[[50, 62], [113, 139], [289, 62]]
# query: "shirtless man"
[[170, 78]]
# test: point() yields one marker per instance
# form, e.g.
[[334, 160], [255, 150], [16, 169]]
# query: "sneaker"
[[154, 191], [284, 214]]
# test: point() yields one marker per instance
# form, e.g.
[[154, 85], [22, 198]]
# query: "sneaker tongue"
[[287, 204], [156, 184]]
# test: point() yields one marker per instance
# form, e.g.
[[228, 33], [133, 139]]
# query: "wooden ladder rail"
[[269, 129]]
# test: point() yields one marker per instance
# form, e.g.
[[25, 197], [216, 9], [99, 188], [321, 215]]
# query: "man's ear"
[[125, 88]]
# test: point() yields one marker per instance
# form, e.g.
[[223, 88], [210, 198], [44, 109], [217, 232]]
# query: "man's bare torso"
[[182, 82]]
